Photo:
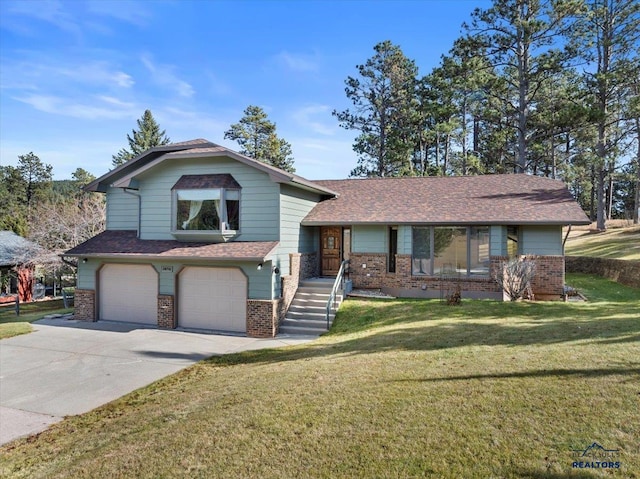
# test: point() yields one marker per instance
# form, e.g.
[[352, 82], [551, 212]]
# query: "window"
[[207, 210], [450, 250], [206, 203], [421, 260], [512, 241], [393, 248]]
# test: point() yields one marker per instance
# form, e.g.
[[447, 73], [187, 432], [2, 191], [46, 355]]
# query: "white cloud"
[[129, 12], [298, 62], [164, 75], [307, 117], [42, 72], [104, 108], [51, 11]]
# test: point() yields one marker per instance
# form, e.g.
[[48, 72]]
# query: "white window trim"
[[223, 231]]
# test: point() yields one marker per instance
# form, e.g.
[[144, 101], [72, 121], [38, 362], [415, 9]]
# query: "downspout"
[[137, 195], [565, 239]]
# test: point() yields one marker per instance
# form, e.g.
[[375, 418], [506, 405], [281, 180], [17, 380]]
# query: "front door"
[[330, 250]]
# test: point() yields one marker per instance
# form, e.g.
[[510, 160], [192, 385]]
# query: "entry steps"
[[307, 313]]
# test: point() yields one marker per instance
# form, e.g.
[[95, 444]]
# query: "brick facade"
[[84, 305], [262, 317], [548, 282], [166, 316]]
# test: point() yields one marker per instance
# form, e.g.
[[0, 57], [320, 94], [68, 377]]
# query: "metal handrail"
[[337, 284]]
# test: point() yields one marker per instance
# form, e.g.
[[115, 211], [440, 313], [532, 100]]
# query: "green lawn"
[[617, 243], [399, 388], [12, 325]]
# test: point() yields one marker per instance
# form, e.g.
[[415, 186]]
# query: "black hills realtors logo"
[[596, 456]]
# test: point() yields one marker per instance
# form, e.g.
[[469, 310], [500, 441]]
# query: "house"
[[199, 236]]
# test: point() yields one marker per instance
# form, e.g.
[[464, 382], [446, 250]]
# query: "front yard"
[[12, 325], [399, 388]]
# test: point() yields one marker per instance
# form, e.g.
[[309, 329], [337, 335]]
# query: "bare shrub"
[[515, 276]]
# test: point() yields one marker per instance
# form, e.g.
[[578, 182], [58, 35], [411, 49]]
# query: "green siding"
[[122, 210], [369, 239], [258, 202], [295, 204], [498, 240], [541, 240]]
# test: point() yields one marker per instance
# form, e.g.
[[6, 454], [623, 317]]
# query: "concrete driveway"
[[67, 367]]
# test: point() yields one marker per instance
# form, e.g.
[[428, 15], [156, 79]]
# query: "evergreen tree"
[[519, 38], [609, 36], [257, 138], [146, 136], [385, 112]]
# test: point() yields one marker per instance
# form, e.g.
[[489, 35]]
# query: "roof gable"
[[485, 199], [124, 175]]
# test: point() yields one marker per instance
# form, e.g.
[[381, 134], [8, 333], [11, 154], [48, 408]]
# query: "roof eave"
[[446, 223], [168, 258], [99, 185]]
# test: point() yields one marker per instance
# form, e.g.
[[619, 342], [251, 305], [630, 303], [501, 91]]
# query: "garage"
[[129, 292], [212, 298]]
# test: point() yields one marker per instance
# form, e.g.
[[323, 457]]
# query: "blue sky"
[[75, 75]]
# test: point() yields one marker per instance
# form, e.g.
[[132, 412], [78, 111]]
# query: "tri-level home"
[[201, 237]]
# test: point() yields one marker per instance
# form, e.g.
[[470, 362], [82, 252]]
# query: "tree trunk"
[[636, 202]]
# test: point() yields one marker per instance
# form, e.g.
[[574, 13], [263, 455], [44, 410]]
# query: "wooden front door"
[[330, 249]]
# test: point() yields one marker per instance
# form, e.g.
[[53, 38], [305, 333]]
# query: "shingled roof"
[[127, 244], [487, 199]]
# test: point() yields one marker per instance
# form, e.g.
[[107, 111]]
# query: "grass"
[[618, 243], [399, 388], [12, 325]]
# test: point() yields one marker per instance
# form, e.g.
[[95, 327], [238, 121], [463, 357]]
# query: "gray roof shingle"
[[486, 199], [127, 244]]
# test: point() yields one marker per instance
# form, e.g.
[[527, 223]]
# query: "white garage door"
[[129, 292], [212, 298]]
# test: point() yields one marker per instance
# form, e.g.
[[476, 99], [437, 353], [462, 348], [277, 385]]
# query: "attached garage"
[[212, 298], [128, 292]]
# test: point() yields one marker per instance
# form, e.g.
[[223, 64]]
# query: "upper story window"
[[206, 204]]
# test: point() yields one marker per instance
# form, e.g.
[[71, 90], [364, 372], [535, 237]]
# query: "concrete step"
[[320, 316], [320, 307], [318, 282], [296, 330], [314, 289], [306, 323], [315, 295]]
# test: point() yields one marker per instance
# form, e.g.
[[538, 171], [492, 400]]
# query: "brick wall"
[[548, 282], [619, 270], [166, 316], [402, 283], [262, 317], [374, 275], [84, 305]]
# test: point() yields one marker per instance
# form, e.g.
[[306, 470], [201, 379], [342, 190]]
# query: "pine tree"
[[146, 136], [385, 112], [256, 135]]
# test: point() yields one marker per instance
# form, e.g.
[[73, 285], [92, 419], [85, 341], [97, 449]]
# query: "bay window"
[[206, 204]]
